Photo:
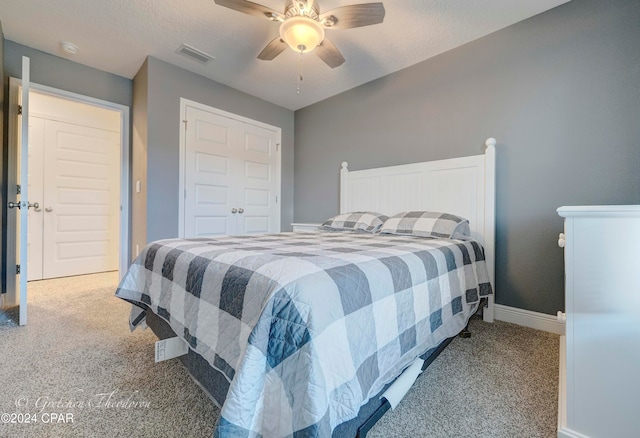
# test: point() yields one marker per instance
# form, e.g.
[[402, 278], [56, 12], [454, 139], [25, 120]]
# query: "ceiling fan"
[[302, 26]]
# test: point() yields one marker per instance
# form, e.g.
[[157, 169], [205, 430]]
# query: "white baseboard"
[[568, 433], [527, 318]]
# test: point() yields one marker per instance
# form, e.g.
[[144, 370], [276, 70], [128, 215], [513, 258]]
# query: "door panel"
[[81, 200]]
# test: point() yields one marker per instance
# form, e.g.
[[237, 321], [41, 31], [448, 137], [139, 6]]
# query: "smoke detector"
[[68, 47]]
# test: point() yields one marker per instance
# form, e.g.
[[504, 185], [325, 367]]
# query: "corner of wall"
[[139, 160]]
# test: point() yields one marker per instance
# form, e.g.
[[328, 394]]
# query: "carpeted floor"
[[77, 361]]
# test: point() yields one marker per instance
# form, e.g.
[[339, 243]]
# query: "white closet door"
[[210, 174], [258, 184], [81, 199], [36, 195], [231, 176]]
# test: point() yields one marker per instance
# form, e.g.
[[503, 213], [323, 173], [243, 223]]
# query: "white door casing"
[[229, 174]]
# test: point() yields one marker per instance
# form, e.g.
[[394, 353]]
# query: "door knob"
[[234, 210], [13, 205], [48, 209], [35, 205], [241, 210]]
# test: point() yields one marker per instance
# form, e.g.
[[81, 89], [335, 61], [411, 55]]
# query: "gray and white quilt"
[[306, 327]]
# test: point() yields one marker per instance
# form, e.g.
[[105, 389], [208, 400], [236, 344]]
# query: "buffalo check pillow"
[[426, 224], [356, 221]]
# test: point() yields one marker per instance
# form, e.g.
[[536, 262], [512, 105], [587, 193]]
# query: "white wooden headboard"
[[463, 186]]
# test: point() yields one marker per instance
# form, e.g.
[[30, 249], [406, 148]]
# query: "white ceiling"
[[117, 36]]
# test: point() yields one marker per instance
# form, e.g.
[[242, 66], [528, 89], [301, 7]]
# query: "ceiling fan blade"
[[249, 8], [329, 53], [347, 17], [273, 49]]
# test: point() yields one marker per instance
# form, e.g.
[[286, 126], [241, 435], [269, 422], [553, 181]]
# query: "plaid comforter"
[[306, 327]]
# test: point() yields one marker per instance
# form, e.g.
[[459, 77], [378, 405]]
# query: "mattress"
[[303, 329]]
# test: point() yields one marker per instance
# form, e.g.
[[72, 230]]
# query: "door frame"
[[124, 245], [182, 162]]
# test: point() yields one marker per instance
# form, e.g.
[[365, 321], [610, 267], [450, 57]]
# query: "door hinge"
[[19, 110], [185, 124], [276, 199], [277, 147], [18, 189], [17, 269]]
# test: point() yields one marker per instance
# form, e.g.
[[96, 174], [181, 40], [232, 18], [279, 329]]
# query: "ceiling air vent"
[[194, 54]]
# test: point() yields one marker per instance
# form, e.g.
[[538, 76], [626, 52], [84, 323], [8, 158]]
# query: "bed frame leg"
[[465, 333]]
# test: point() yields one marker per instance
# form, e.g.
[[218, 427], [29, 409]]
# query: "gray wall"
[[166, 84], [559, 91], [56, 72], [53, 71]]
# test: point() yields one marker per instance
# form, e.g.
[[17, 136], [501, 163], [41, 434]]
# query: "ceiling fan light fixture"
[[302, 34]]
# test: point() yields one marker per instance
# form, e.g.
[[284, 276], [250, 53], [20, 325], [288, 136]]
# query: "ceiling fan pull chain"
[[300, 78]]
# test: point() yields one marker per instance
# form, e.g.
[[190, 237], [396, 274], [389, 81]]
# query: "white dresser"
[[600, 357]]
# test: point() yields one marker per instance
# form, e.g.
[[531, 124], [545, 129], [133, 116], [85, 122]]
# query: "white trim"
[[592, 211], [123, 258], [562, 385], [527, 318], [184, 103], [568, 433], [489, 232]]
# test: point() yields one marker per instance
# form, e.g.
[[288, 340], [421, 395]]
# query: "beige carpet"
[[77, 359]]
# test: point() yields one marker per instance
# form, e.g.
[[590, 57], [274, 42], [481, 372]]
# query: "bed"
[[299, 334]]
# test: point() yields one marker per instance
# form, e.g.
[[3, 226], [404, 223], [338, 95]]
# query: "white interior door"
[[231, 175], [24, 184], [81, 199], [210, 176], [257, 185], [18, 187]]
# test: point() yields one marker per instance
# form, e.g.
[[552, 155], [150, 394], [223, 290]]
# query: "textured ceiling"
[[117, 36]]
